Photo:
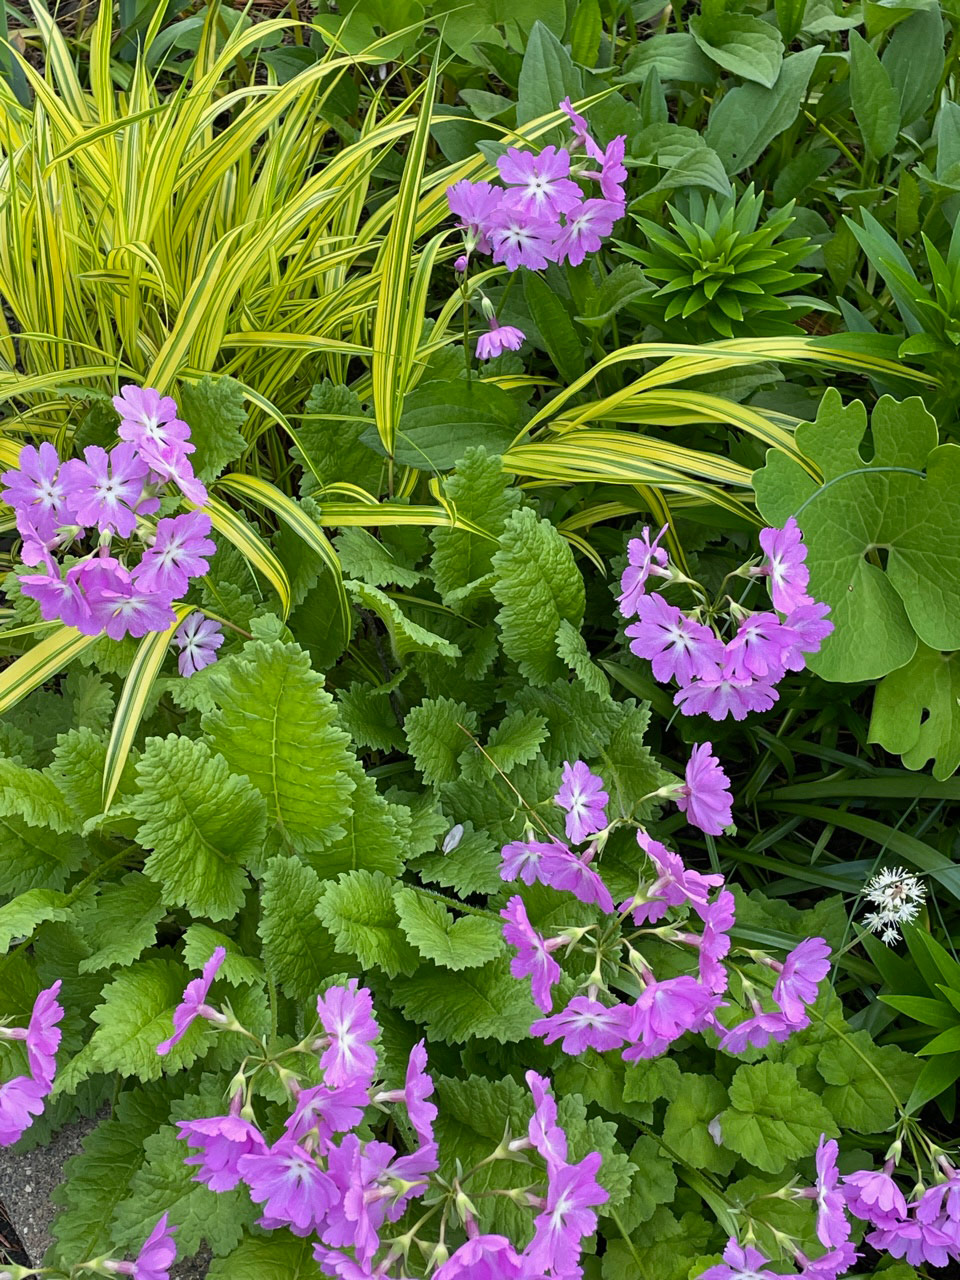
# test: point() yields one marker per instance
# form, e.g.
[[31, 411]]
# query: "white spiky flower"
[[898, 896]]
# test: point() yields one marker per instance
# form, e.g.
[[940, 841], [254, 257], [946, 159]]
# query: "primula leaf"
[[297, 950], [278, 1256], [98, 1179], [435, 737], [572, 648], [699, 1100], [199, 944], [20, 916], [772, 1119], [654, 1182], [359, 910], [79, 760], [374, 833], [886, 504], [165, 1184], [328, 442], [202, 822], [363, 556], [538, 585], [214, 408], [876, 103], [579, 723], [122, 922], [406, 635], [517, 739], [35, 857], [472, 867], [915, 712], [277, 724], [136, 1015], [462, 943], [479, 492], [596, 1134], [441, 420], [628, 768], [646, 1081], [34, 797], [486, 1002], [865, 1081]]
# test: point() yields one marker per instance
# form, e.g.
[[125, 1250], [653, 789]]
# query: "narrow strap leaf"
[[44, 660]]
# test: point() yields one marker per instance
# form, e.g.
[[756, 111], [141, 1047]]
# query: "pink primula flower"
[[105, 489], [500, 338], [586, 1024], [193, 1005], [36, 491], [676, 646], [705, 797], [582, 795], [644, 558], [179, 553], [789, 576], [198, 639], [533, 956], [584, 229], [540, 184], [346, 1014]]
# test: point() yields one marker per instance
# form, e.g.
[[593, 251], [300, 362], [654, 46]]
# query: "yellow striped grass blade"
[[253, 489], [620, 456], [9, 452], [133, 699], [397, 326], [44, 660], [252, 547]]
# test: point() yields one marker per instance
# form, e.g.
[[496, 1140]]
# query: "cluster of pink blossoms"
[[22, 1098], [739, 675], [540, 214], [668, 890], [346, 1191], [923, 1230], [108, 497]]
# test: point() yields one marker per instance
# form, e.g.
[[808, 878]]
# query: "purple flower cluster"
[[664, 1010], [23, 1097], [540, 214], [925, 1230], [716, 677], [109, 496], [320, 1178]]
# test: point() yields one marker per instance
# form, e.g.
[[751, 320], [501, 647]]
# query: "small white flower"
[[897, 895]]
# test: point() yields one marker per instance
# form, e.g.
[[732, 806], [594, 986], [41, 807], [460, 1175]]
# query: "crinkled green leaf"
[[579, 723], [473, 866], [34, 797], [359, 911], [406, 636], [538, 585], [363, 556], [297, 950], [215, 411], [121, 922], [98, 1179], [772, 1118], [479, 492], [277, 1256], [865, 1082], [202, 823], [572, 648], [486, 1002], [452, 943], [328, 442], [628, 768], [654, 1182], [650, 1079], [698, 1101], [276, 723], [21, 915], [367, 714], [137, 1014], [199, 944], [435, 737]]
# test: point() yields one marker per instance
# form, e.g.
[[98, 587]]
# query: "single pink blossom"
[[156, 1256], [832, 1225], [675, 884], [533, 957], [917, 1242], [119, 606], [789, 576], [665, 1011], [675, 645], [104, 490], [172, 464], [346, 1014], [586, 1024], [59, 598], [584, 229], [500, 338], [540, 184], [577, 122], [193, 1004], [644, 558], [484, 1257], [21, 1100], [564, 871], [36, 491], [198, 639], [543, 1131], [43, 1034], [324, 1111], [706, 798], [582, 795], [572, 1194], [872, 1194], [759, 1030], [522, 859], [418, 1086], [521, 241], [179, 553], [758, 649], [721, 694], [290, 1185], [718, 918], [804, 631], [830, 1265], [220, 1143], [149, 420], [475, 204], [740, 1264], [803, 970]]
